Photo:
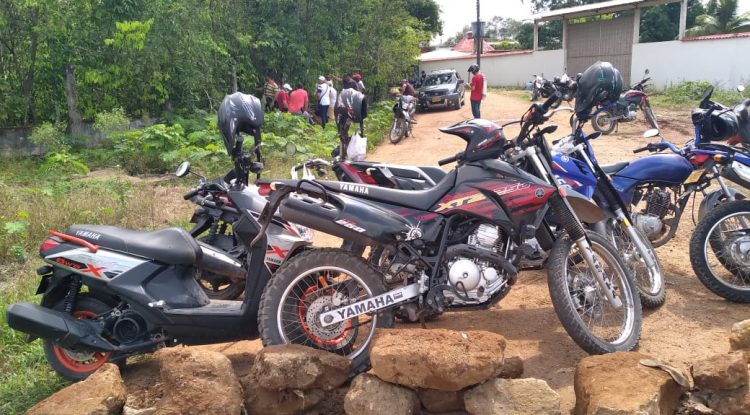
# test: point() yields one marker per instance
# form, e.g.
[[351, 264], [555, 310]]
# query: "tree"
[[428, 13], [540, 5], [661, 23], [721, 17]]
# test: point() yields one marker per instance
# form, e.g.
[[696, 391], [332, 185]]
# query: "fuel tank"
[[574, 173], [665, 169]]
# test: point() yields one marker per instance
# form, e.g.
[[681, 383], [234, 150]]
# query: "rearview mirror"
[[647, 71], [290, 149], [654, 132], [740, 88], [183, 169]]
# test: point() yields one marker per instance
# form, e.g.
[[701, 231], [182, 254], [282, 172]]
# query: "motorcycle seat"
[[171, 246], [616, 167], [435, 173]]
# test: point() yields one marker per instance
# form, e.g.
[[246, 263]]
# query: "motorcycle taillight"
[[264, 189], [48, 244]]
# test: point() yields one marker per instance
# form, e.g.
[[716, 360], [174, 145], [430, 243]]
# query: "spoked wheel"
[[589, 318], [315, 282], [650, 281], [650, 116], [398, 130], [74, 364], [604, 122], [720, 251]]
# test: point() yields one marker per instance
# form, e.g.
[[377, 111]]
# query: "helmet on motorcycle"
[[718, 126], [474, 68], [239, 113], [556, 79], [600, 84]]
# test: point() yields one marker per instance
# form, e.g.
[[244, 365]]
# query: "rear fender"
[[586, 210], [714, 198]]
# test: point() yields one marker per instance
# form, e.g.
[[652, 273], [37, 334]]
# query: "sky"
[[458, 13]]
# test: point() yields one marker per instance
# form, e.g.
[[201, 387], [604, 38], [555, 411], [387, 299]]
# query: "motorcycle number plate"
[[436, 99], [694, 177]]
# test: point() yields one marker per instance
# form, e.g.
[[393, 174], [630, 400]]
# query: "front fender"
[[714, 198], [586, 210]]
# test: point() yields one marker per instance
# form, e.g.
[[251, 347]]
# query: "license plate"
[[694, 176], [436, 99]]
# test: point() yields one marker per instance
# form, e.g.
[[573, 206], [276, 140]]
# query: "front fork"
[[640, 246], [604, 283]]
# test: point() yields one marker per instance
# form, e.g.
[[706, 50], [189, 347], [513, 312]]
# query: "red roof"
[[721, 36], [467, 45]]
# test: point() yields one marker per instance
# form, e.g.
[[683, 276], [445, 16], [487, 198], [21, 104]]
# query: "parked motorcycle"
[[564, 85], [403, 118], [624, 110], [541, 87], [213, 220], [453, 246], [109, 293]]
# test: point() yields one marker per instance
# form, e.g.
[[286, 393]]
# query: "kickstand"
[[421, 321]]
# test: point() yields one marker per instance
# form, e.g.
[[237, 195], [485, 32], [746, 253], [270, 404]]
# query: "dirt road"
[[692, 323]]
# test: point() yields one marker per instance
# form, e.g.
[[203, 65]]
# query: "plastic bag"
[[357, 148]]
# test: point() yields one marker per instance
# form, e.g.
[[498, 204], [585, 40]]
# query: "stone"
[[512, 397], [438, 401], [721, 372], [291, 366], [197, 382], [512, 368], [436, 359], [259, 400], [617, 383], [739, 338], [734, 402], [332, 404], [102, 393], [241, 353], [143, 385], [368, 395]]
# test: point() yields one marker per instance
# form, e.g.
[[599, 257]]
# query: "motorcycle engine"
[[476, 278], [650, 220], [630, 114]]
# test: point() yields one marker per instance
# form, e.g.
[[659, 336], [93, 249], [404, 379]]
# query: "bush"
[[49, 135], [688, 93], [112, 122]]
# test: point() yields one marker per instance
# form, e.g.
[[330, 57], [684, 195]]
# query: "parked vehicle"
[[624, 110], [453, 246], [541, 87], [564, 85], [213, 219], [403, 118], [444, 88], [109, 293]]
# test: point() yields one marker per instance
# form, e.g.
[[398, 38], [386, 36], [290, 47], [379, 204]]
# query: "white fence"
[[724, 62]]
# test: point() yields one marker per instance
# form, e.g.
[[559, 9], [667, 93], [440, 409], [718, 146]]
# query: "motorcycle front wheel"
[[650, 116], [720, 251], [398, 130], [604, 122], [580, 303], [311, 283], [650, 281]]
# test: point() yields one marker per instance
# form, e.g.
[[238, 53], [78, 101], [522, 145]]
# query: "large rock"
[[512, 368], [437, 401], [143, 385], [721, 372], [739, 338], [734, 402], [292, 366], [102, 393], [197, 382], [512, 397], [241, 353], [259, 400], [437, 359], [369, 395], [617, 383]]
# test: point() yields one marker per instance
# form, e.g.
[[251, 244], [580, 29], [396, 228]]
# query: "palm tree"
[[721, 17]]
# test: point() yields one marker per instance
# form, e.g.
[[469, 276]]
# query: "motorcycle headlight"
[[304, 232]]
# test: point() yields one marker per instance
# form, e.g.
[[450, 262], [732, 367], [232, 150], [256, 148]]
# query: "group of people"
[[297, 101]]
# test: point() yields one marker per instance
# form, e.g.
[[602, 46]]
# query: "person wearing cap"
[[407, 88], [323, 95], [282, 98], [358, 80], [478, 88]]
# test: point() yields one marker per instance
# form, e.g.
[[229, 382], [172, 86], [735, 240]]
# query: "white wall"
[[723, 62], [506, 70]]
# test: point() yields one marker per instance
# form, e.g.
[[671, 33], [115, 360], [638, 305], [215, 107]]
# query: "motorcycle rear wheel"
[[604, 122], [308, 284], [650, 116], [398, 130], [651, 287], [579, 302]]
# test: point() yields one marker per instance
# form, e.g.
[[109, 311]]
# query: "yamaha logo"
[[539, 193], [348, 187], [328, 319]]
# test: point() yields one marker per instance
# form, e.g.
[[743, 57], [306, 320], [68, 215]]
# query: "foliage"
[[428, 13], [661, 23], [111, 122], [721, 17], [688, 93], [50, 136], [506, 45]]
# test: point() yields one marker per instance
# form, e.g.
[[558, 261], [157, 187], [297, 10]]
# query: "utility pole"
[[478, 37]]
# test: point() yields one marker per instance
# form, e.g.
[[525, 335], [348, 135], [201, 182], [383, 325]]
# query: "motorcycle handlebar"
[[189, 195], [450, 159], [551, 100], [640, 149]]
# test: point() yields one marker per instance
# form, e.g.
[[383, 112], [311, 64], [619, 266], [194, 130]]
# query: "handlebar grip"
[[189, 195], [450, 159], [641, 149], [551, 100]]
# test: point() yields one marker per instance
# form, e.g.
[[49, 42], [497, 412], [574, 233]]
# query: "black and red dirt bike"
[[624, 110], [109, 293], [454, 246]]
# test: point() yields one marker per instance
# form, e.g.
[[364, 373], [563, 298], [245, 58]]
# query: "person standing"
[[348, 83], [323, 96], [358, 80], [298, 100], [422, 78], [478, 88], [270, 88], [282, 98], [333, 94], [407, 88]]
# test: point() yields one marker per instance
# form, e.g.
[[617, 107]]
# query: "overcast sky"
[[458, 13]]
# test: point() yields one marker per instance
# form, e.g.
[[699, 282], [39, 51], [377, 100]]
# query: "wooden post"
[[536, 35], [636, 25], [683, 19], [478, 37], [565, 45]]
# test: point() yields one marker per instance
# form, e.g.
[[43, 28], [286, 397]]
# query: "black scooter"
[[141, 291]]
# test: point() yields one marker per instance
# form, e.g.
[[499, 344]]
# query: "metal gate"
[[604, 40]]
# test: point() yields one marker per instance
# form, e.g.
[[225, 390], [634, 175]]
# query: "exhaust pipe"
[[59, 327]]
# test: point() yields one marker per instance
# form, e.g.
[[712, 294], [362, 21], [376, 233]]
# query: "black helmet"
[[474, 68], [600, 84], [239, 113]]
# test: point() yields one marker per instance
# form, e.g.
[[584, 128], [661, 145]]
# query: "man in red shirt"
[[298, 100], [282, 98], [478, 89]]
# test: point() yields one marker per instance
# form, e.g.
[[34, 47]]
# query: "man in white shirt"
[[333, 94], [323, 95]]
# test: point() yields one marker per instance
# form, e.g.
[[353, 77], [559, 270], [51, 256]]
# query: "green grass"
[[687, 95]]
